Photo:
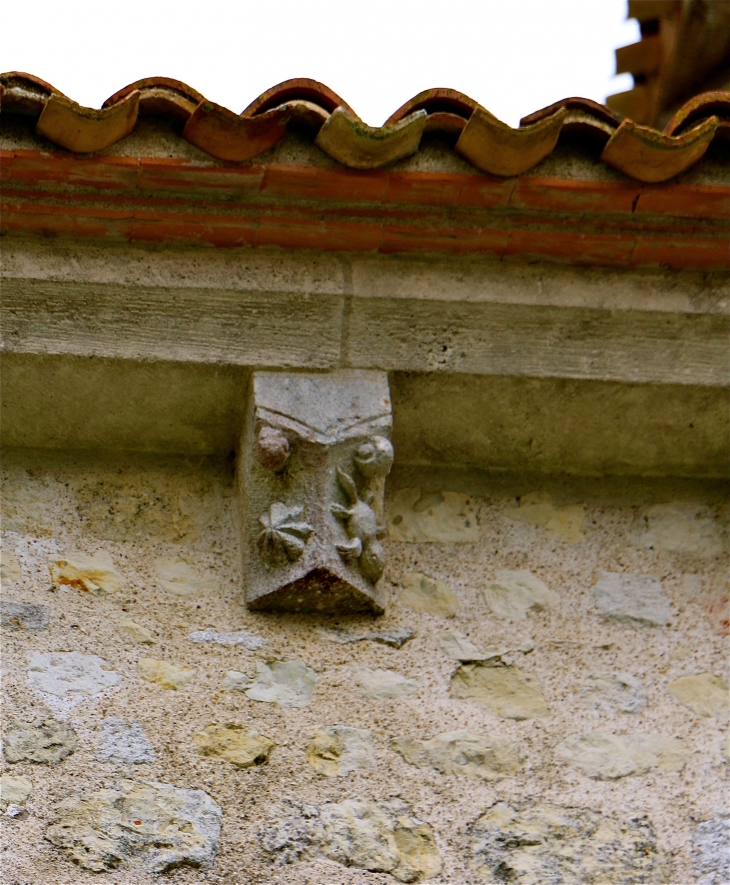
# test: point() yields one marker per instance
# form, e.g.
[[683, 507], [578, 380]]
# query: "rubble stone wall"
[[544, 701]]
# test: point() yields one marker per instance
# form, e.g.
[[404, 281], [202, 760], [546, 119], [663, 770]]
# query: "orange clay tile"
[[641, 153]]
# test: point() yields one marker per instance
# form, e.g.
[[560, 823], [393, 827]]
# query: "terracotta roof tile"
[[640, 152]]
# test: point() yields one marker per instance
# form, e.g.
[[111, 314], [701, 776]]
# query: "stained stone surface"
[[179, 577], [711, 851], [164, 673], [544, 844], [638, 600], [537, 509], [424, 594], [95, 574], [63, 672], [612, 756], [233, 743], [42, 740], [122, 742], [14, 790], [140, 825], [383, 837], [514, 593], [422, 517], [23, 615], [505, 691], [385, 684], [612, 693], [137, 632], [286, 683], [337, 750], [704, 694], [240, 637], [680, 527], [488, 757]]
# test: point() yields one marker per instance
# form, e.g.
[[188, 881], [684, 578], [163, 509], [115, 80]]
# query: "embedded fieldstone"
[[46, 741], [337, 750], [233, 743], [460, 648], [286, 683], [538, 843], [62, 672], [23, 615], [614, 693], [170, 676], [514, 593], [236, 681], [680, 527], [395, 638], [123, 743], [504, 691], [138, 825], [240, 637], [14, 790], [704, 694], [384, 684], [178, 577], [611, 756], [424, 594], [137, 632], [537, 508], [421, 517], [632, 599], [315, 453], [711, 851], [89, 574], [382, 837], [488, 757]]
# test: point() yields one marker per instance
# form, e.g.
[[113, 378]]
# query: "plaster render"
[[137, 509]]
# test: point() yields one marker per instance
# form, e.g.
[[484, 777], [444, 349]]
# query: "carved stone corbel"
[[313, 460]]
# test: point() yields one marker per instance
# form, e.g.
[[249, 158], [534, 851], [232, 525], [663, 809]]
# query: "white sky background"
[[512, 56]]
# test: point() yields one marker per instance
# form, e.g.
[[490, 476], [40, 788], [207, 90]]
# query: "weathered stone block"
[[337, 750], [638, 600], [383, 837], [63, 672], [138, 825], [45, 741], [505, 691], [125, 744], [537, 843], [232, 742], [704, 694], [489, 757], [611, 756], [424, 594], [23, 615], [314, 456]]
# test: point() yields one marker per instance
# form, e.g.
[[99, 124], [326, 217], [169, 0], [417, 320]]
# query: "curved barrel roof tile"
[[640, 152]]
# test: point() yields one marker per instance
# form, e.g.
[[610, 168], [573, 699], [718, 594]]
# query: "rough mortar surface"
[[354, 787]]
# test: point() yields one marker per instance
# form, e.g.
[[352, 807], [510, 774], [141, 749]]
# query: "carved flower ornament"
[[284, 534]]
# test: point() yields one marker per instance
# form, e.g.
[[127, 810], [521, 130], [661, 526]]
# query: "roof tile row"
[[489, 144]]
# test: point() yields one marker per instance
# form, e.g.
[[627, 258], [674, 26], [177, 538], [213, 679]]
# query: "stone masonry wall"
[[545, 700]]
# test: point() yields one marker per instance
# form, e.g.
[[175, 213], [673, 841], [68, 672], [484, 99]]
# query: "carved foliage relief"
[[314, 458]]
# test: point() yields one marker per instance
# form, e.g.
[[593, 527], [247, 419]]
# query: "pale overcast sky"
[[512, 56]]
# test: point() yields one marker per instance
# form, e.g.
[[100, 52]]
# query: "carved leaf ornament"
[[284, 533]]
